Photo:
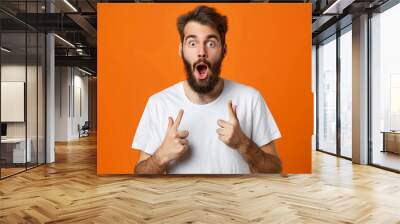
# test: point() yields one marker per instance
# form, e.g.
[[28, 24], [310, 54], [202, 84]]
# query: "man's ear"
[[225, 50], [180, 50]]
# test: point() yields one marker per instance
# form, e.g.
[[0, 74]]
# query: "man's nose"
[[202, 52]]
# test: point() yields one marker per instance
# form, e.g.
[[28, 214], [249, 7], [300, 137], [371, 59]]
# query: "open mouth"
[[201, 69]]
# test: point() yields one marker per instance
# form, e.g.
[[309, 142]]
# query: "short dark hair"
[[206, 16]]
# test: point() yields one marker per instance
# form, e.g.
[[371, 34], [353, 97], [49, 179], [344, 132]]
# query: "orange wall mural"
[[269, 48]]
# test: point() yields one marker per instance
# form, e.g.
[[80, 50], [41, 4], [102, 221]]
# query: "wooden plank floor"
[[69, 191]]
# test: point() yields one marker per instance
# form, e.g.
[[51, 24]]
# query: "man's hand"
[[175, 143], [230, 132], [259, 161]]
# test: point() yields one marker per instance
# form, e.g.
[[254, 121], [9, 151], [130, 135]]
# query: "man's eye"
[[211, 44], [192, 44]]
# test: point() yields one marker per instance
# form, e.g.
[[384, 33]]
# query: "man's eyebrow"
[[190, 36], [212, 36], [208, 36]]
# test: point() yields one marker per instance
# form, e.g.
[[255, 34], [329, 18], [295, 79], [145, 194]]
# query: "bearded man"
[[206, 124]]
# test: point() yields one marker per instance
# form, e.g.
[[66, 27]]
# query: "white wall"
[[61, 103], [80, 83], [70, 84]]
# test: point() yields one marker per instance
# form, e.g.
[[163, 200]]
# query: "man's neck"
[[198, 98]]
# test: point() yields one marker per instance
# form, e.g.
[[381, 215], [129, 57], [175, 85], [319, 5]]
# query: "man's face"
[[202, 56]]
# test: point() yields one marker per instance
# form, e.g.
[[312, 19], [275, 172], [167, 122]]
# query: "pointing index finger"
[[178, 119]]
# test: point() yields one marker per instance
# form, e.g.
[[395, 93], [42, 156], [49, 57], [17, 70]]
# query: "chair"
[[84, 130]]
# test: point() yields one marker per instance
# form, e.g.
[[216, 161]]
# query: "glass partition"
[[327, 95], [13, 104], [22, 77]]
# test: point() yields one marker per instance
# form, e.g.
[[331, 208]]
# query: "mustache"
[[201, 61]]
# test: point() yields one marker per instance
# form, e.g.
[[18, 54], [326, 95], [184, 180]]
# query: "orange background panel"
[[269, 48]]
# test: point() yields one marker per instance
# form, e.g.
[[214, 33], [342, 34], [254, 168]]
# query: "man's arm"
[[149, 164], [260, 159]]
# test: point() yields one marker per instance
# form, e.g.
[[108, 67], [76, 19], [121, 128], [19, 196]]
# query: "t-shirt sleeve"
[[147, 137], [264, 128]]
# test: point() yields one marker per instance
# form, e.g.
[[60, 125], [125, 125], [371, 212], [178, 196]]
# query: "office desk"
[[391, 141], [13, 150]]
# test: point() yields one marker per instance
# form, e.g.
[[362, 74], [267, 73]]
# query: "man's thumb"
[[232, 111]]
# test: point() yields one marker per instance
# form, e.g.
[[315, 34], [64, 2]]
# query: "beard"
[[208, 84]]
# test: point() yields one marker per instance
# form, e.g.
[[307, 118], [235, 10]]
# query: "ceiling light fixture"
[[64, 40], [70, 5], [337, 7], [84, 71], [5, 50]]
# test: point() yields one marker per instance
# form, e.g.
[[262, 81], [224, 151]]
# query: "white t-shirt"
[[206, 154]]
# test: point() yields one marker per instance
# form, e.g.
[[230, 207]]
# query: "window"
[[327, 95], [385, 88], [346, 93]]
